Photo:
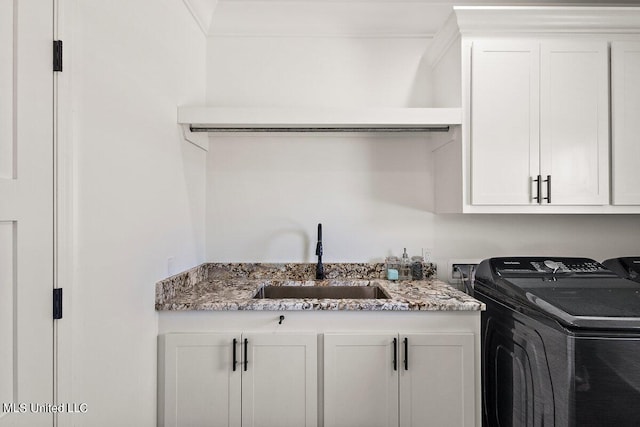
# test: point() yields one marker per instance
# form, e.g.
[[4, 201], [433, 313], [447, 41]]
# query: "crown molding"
[[443, 40], [476, 20], [202, 12], [496, 20]]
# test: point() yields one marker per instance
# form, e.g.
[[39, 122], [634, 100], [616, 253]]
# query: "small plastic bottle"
[[393, 267], [417, 272], [405, 266]]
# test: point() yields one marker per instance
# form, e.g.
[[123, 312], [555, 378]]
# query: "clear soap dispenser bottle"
[[405, 266]]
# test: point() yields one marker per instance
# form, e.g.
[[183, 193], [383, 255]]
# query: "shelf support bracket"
[[200, 140]]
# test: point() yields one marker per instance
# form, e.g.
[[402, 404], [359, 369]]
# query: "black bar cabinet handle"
[[235, 358], [395, 354], [406, 354], [548, 181], [245, 353], [538, 182]]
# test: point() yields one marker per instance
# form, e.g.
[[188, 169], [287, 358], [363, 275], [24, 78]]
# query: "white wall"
[[265, 194], [373, 193], [317, 71], [447, 73], [139, 195]]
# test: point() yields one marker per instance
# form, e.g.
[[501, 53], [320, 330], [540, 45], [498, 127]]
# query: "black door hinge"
[[57, 55], [57, 303]]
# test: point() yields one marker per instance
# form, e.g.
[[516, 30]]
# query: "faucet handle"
[[319, 266], [319, 271]]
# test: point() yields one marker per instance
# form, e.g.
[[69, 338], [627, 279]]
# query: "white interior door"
[[26, 212]]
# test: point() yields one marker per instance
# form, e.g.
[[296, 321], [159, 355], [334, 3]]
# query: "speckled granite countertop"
[[215, 286]]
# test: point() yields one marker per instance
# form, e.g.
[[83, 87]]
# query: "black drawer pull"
[[538, 182], [406, 354], [548, 181], [235, 358], [395, 354], [245, 354]]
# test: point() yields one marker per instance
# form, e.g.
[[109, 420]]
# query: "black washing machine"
[[560, 343], [627, 267]]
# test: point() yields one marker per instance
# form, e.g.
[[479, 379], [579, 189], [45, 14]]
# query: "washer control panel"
[[519, 266]]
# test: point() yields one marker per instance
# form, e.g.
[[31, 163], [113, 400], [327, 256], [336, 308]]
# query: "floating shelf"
[[218, 119]]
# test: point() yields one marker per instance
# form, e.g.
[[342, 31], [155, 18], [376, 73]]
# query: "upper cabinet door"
[[504, 122], [625, 104], [574, 122]]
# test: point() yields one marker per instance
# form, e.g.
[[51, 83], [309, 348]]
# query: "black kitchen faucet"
[[319, 266]]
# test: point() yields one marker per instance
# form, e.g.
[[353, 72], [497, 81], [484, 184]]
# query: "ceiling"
[[336, 18]]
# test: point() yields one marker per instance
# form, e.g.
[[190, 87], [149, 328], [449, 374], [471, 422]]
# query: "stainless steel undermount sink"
[[320, 292]]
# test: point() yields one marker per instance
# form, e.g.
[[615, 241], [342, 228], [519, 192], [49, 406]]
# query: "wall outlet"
[[459, 267]]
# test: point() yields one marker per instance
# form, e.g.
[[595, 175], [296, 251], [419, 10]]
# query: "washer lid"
[[584, 302]]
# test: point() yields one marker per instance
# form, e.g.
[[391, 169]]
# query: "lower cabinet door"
[[372, 380], [197, 383], [437, 383], [279, 380], [361, 380]]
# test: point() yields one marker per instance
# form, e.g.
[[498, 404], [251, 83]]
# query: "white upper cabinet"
[[539, 123], [625, 105], [550, 107]]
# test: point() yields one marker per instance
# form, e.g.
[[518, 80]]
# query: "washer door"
[[517, 388]]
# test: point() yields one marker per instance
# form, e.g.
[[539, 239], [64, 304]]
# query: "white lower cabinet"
[[359, 373], [399, 379], [249, 379]]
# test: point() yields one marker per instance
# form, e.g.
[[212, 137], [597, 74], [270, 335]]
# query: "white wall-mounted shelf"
[[198, 121]]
